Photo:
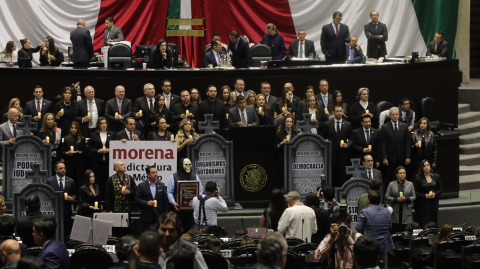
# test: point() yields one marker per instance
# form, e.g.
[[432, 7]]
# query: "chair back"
[[277, 121], [214, 260], [94, 257], [260, 52], [73, 244], [293, 260], [293, 242], [34, 251], [308, 251], [233, 244], [245, 256], [433, 231], [112, 241], [119, 53], [174, 48], [429, 108]]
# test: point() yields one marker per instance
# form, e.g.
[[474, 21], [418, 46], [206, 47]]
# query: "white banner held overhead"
[[137, 155]]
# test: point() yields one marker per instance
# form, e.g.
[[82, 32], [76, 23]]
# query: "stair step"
[[469, 128], [468, 117], [470, 139], [470, 149], [469, 160], [463, 108], [469, 170], [469, 182]]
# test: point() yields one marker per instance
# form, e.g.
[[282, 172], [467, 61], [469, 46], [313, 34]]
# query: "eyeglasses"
[[369, 161]]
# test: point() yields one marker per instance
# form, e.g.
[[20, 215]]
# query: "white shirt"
[[244, 112], [364, 104], [291, 222], [103, 137], [167, 100], [335, 29], [335, 121], [217, 56], [300, 44], [11, 59], [128, 134], [386, 113], [212, 206], [239, 93], [94, 115], [63, 181]]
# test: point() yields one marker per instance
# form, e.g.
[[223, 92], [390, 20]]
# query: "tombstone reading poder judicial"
[[51, 201], [307, 158], [212, 159]]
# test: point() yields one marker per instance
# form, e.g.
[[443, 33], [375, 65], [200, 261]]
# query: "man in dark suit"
[[324, 96], [242, 115], [112, 33], [152, 199], [370, 172], [212, 106], [377, 34], [39, 104], [354, 52], [88, 111], [438, 47], [179, 111], [239, 51], [333, 38], [54, 253], [338, 130], [60, 182], [301, 47], [272, 251], [118, 109], [7, 229], [396, 146], [25, 223], [265, 88], [82, 45], [214, 56], [170, 98], [129, 133], [367, 141], [144, 104]]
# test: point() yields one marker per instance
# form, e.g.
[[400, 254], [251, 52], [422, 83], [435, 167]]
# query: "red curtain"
[[143, 22]]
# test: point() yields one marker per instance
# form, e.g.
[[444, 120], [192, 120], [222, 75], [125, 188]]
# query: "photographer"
[[340, 235], [206, 206]]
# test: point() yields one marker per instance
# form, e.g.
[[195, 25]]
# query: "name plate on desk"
[[186, 190], [227, 253]]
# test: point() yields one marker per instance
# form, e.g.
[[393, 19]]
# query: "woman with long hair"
[[225, 96], [250, 98], [195, 97], [284, 105], [14, 103], [9, 54], [49, 130], [400, 195], [88, 194], [50, 55], [161, 134], [74, 152], [337, 100], [265, 116], [323, 220], [316, 113], [99, 148], [186, 135], [276, 207], [304, 103], [424, 144], [287, 131], [159, 110], [161, 55], [428, 188], [64, 110], [363, 107], [26, 51]]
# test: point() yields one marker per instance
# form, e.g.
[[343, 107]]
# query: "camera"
[[323, 180], [342, 228], [75, 85]]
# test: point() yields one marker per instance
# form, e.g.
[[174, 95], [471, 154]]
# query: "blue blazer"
[[209, 58], [143, 195], [55, 255], [242, 56], [333, 46], [376, 221], [357, 54], [82, 45], [69, 187]]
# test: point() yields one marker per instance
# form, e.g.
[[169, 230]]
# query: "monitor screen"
[[143, 52]]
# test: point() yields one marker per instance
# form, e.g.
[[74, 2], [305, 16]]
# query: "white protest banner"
[[137, 155]]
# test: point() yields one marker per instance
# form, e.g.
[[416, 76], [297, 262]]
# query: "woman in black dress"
[[323, 220], [99, 148], [272, 214], [50, 55], [284, 105], [428, 188], [287, 132], [186, 135], [265, 116], [64, 110], [161, 134], [54, 134], [314, 109], [337, 99], [360, 108], [27, 50], [88, 194], [424, 144], [14, 103], [74, 152], [162, 55], [159, 110]]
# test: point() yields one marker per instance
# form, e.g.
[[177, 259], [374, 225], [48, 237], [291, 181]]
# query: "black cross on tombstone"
[[27, 125], [208, 125], [36, 174], [307, 124], [356, 169]]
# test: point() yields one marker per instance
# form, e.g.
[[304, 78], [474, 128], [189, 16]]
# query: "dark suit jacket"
[[309, 47], [205, 107], [396, 146], [82, 45], [319, 115], [360, 143], [25, 226], [55, 255], [31, 109], [332, 46], [356, 112], [209, 58], [115, 125], [376, 221], [272, 100], [442, 49], [242, 56], [116, 34], [95, 143], [376, 174], [143, 195], [234, 116], [330, 102], [57, 62], [329, 133], [81, 110], [142, 104], [374, 39], [357, 55], [69, 188], [174, 99], [123, 135]]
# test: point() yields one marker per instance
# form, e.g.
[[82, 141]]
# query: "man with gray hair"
[[395, 146], [10, 253], [82, 45], [143, 106], [118, 109], [298, 220], [88, 111], [272, 251]]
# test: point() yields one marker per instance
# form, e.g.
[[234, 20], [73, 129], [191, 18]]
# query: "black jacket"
[[58, 58], [360, 143], [396, 146], [95, 143], [112, 108], [356, 112], [123, 135], [31, 109], [25, 226], [82, 45], [346, 134], [374, 39], [81, 111]]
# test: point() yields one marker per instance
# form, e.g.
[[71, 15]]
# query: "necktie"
[[38, 107], [109, 31], [167, 98], [301, 50], [236, 46], [369, 174], [395, 128], [375, 27], [338, 127], [218, 57], [325, 102], [131, 136], [14, 131], [151, 104], [61, 183], [436, 45], [243, 118], [336, 30], [120, 107], [368, 136], [90, 109], [350, 58]]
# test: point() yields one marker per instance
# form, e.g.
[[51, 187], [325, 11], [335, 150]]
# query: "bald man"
[[82, 45], [8, 129], [119, 190], [10, 253]]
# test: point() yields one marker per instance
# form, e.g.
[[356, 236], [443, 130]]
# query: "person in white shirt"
[[213, 203], [298, 220], [9, 54]]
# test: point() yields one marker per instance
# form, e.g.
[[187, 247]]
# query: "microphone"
[[126, 220], [96, 216], [243, 226], [121, 220], [303, 222]]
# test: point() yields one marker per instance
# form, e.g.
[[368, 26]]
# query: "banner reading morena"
[[138, 155]]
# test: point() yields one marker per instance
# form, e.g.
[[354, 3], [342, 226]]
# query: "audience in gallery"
[[161, 134], [118, 109], [9, 54], [315, 112], [74, 152], [304, 103], [250, 98]]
